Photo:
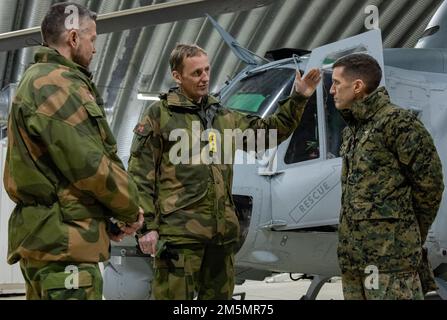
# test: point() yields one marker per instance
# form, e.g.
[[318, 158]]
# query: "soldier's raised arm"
[[290, 111]]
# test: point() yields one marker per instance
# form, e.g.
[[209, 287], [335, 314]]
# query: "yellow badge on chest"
[[212, 138]]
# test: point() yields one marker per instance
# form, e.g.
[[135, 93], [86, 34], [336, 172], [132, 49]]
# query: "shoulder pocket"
[[93, 109], [142, 132]]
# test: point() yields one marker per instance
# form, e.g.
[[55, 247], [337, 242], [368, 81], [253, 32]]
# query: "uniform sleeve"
[[285, 120], [71, 129], [143, 163], [417, 153]]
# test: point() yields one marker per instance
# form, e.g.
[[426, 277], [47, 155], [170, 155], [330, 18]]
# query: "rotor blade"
[[140, 17]]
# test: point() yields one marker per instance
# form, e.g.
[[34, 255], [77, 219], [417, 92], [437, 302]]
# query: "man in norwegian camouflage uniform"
[[62, 169], [392, 186], [191, 226]]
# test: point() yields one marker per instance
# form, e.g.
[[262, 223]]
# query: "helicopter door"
[[306, 191]]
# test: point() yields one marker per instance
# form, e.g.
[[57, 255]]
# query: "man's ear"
[[177, 77], [359, 87], [73, 38]]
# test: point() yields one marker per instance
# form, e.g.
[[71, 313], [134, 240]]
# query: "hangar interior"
[[133, 61], [136, 60]]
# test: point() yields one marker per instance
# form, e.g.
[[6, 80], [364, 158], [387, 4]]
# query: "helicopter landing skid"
[[315, 287]]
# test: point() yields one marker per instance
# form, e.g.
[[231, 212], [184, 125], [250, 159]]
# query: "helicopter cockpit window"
[[334, 122], [333, 57], [305, 144], [259, 93]]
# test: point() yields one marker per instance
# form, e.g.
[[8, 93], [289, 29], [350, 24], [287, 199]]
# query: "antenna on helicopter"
[[242, 53], [435, 35]]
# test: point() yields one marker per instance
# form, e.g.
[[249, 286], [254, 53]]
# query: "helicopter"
[[288, 204]]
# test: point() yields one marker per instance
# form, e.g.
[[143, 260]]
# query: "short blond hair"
[[183, 51]]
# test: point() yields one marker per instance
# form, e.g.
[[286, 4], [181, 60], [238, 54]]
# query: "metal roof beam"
[[139, 17]]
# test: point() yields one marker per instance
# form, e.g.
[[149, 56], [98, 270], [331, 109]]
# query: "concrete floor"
[[279, 287]]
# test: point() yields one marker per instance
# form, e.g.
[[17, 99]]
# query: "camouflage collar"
[[177, 99], [365, 109], [50, 55]]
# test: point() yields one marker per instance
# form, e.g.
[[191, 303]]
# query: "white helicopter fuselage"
[[290, 205], [295, 209]]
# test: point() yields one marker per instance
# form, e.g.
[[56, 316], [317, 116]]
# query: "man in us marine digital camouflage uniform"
[[62, 169], [392, 186], [188, 206]]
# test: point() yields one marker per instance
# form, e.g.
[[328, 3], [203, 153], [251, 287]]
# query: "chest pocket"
[[105, 134], [365, 136], [372, 151]]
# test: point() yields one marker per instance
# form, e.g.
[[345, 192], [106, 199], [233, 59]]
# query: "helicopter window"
[[259, 93], [334, 122], [305, 144], [330, 59], [248, 102]]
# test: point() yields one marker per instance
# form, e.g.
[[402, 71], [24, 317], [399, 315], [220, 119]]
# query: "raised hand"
[[308, 85]]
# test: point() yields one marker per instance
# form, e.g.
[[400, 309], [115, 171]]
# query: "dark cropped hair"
[[361, 66], [53, 25], [181, 52]]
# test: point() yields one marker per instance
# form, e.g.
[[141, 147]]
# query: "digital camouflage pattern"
[[392, 185], [390, 286], [191, 272], [49, 280], [62, 169], [192, 203]]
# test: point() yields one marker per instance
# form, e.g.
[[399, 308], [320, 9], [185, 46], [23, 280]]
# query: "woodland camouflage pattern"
[[205, 271], [392, 186], [189, 203], [48, 281], [62, 169]]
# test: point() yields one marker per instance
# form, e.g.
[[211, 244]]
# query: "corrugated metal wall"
[[137, 60]]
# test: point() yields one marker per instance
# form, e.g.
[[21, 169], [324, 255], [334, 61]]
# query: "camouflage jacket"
[[392, 185], [189, 202], [62, 169]]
